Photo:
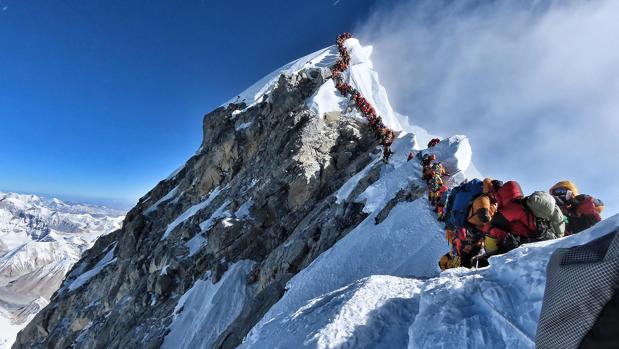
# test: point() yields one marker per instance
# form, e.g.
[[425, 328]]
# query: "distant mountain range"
[[40, 240]]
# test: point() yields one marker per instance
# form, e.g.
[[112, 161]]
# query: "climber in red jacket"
[[583, 213], [511, 223], [433, 142], [581, 210]]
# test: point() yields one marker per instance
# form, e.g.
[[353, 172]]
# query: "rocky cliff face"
[[258, 194]]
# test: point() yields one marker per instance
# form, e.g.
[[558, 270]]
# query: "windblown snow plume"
[[534, 84]]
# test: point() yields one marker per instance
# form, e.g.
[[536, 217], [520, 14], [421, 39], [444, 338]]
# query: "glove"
[[510, 242]]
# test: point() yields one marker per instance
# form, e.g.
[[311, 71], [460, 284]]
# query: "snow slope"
[[361, 75], [40, 240], [324, 58], [494, 307], [207, 309]]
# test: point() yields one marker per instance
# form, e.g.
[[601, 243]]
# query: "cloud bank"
[[534, 84]]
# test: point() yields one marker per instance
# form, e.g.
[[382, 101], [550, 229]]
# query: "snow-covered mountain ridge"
[[40, 239], [286, 230]]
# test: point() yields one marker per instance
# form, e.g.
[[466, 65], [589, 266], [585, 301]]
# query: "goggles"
[[560, 191]]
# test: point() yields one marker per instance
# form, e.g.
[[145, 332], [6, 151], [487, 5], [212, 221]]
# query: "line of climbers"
[[384, 135], [487, 217]]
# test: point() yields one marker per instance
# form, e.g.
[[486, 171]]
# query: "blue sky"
[[102, 99]]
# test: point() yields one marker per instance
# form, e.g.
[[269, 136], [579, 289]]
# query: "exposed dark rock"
[[412, 193]]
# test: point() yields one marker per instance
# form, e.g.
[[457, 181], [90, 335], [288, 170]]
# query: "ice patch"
[[191, 211], [344, 192], [327, 99], [196, 243], [207, 309], [243, 126], [227, 222], [101, 264], [221, 212], [171, 194], [243, 211]]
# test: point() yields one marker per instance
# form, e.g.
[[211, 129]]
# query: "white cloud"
[[535, 85]]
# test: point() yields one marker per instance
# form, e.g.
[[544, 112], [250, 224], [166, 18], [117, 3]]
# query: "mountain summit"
[[287, 230]]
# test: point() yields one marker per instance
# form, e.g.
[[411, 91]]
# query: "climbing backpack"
[[586, 205], [459, 201], [548, 217]]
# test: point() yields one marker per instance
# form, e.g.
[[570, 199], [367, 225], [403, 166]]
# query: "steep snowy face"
[[496, 307], [361, 74], [321, 59], [40, 239], [363, 78]]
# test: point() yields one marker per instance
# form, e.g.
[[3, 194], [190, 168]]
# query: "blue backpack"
[[460, 198]]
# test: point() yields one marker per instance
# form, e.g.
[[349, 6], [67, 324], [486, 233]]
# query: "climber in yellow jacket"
[[483, 207], [482, 210]]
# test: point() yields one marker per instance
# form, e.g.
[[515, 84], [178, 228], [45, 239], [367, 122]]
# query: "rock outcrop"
[[260, 190]]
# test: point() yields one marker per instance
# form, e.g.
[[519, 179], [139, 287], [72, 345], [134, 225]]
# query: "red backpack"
[[509, 192]]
